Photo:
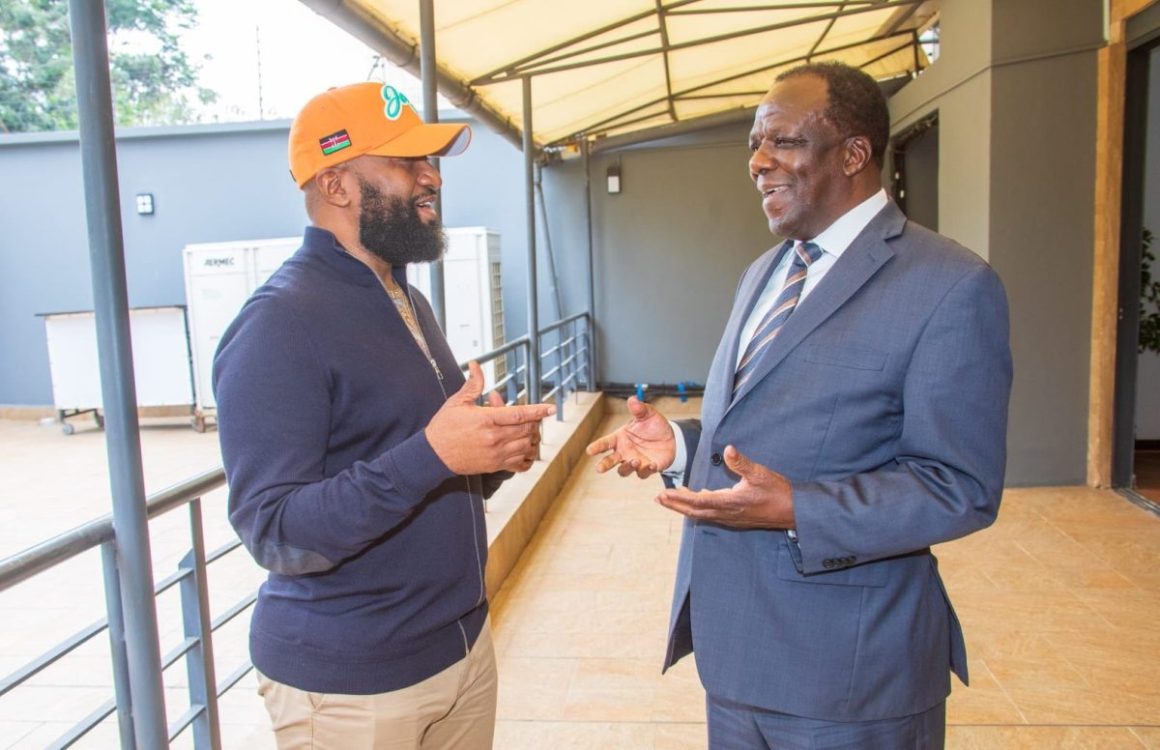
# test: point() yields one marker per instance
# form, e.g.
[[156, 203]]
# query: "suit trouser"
[[733, 726], [452, 709]]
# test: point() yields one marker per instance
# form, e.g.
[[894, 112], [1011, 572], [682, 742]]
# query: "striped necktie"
[[805, 253]]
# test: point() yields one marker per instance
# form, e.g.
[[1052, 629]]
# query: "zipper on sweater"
[[466, 480]]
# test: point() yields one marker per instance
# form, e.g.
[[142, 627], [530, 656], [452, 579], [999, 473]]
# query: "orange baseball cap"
[[365, 118]]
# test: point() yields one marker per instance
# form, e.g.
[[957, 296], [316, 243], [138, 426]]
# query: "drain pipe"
[[550, 254], [591, 267]]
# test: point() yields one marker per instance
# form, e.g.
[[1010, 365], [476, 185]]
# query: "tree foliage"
[[154, 81]]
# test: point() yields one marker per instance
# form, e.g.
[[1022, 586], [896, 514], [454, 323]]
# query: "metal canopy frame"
[[371, 21], [618, 121], [539, 64]]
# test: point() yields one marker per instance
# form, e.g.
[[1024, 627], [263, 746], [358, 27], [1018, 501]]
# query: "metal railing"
[[569, 358], [566, 365], [196, 646]]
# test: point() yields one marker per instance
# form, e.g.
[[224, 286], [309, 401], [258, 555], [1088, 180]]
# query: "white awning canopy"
[[603, 68]]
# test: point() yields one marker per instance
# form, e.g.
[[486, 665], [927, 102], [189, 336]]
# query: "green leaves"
[[1149, 299], [154, 81]]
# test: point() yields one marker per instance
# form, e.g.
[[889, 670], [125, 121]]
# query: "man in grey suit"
[[854, 415]]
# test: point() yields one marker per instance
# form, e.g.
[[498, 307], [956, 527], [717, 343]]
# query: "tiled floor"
[[1060, 601]]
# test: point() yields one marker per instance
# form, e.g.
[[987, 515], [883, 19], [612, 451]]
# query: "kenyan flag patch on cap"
[[334, 142]]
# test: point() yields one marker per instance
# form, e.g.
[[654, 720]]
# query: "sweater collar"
[[322, 244]]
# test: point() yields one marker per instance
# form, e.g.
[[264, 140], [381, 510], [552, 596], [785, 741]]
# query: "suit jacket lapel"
[[720, 383], [856, 266]]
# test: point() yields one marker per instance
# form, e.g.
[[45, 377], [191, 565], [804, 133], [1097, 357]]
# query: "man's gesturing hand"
[[496, 400], [645, 445], [472, 439], [763, 499]]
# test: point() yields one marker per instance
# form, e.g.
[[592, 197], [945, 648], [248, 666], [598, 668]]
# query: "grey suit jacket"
[[884, 401]]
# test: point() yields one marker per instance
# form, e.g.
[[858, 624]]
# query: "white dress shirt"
[[833, 241]]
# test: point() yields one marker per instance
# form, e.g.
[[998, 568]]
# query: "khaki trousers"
[[453, 709]]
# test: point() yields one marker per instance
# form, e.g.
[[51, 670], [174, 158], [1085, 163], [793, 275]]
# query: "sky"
[[266, 58]]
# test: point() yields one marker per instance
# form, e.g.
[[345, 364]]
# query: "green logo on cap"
[[395, 100]]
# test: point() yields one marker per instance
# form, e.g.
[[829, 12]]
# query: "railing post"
[[573, 365], [197, 625], [560, 374], [512, 387], [120, 657], [590, 351], [527, 350]]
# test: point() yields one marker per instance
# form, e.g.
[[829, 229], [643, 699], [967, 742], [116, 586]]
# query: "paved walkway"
[[1059, 601]]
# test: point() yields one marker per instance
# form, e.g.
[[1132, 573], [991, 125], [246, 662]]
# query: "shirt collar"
[[842, 233]]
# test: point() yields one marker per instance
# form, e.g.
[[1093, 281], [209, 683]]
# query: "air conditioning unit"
[[472, 295], [219, 278]]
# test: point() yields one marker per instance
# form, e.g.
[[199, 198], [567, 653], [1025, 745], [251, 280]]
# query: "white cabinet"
[[161, 360], [473, 298], [219, 278]]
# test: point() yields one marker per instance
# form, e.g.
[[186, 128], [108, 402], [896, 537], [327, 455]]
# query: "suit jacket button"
[[715, 459], [828, 563]]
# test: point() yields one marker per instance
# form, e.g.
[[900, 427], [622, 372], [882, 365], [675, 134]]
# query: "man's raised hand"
[[472, 439], [645, 445], [761, 499]]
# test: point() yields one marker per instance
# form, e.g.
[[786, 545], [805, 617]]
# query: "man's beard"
[[391, 229]]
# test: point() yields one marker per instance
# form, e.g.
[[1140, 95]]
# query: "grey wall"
[[230, 182], [669, 249], [1016, 102], [209, 183], [1148, 373], [1042, 233], [958, 86], [1042, 224], [221, 184], [485, 187]]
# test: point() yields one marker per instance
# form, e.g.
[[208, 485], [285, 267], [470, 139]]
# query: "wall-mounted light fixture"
[[613, 179], [145, 204]]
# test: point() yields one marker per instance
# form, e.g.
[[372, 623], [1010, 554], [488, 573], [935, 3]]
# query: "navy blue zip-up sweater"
[[376, 550]]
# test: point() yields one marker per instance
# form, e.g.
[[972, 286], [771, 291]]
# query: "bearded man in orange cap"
[[357, 458]]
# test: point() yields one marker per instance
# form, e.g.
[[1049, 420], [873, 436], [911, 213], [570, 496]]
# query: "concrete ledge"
[[670, 406], [515, 511]]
